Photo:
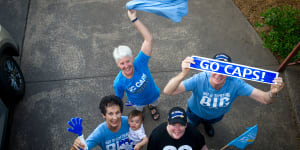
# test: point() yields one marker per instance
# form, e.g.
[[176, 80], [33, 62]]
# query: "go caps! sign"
[[234, 70]]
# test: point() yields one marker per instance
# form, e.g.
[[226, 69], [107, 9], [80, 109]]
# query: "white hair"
[[121, 52]]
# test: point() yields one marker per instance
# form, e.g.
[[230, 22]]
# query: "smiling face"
[[126, 66], [217, 80], [176, 131], [113, 117], [135, 122]]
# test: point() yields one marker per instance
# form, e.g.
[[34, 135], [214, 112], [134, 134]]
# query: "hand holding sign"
[[275, 88], [185, 65]]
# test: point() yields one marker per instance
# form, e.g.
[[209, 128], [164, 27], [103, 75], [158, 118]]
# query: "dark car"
[[3, 123], [12, 84]]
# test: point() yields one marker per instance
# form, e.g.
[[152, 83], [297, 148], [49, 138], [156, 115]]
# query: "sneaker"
[[209, 129]]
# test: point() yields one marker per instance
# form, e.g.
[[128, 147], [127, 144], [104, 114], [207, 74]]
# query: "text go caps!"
[[234, 70]]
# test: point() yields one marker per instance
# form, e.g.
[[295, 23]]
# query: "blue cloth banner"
[[245, 139], [234, 70], [171, 9]]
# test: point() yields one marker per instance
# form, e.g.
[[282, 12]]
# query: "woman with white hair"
[[135, 77]]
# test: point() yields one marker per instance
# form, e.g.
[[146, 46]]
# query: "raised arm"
[[268, 97], [175, 85], [147, 44]]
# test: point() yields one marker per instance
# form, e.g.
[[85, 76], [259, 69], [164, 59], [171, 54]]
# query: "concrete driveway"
[[68, 66]]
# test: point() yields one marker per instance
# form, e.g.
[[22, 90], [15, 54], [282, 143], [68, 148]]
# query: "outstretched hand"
[[75, 123], [275, 88]]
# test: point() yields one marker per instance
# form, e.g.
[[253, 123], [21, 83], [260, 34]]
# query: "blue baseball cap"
[[222, 57]]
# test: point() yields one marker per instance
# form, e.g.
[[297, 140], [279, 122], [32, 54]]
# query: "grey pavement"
[[292, 76], [68, 66]]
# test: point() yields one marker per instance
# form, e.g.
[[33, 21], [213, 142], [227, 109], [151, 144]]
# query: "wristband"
[[134, 20]]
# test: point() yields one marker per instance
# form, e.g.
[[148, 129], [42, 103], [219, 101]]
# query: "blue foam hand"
[[75, 123]]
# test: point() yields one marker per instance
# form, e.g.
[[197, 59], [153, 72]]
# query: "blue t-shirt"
[[109, 140], [141, 88], [209, 103]]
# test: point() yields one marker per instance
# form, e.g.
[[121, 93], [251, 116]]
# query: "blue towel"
[[171, 9]]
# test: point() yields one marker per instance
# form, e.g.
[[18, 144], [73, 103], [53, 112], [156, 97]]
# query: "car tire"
[[12, 83]]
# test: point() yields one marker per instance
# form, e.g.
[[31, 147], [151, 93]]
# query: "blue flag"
[[127, 103], [171, 9], [245, 139], [234, 70]]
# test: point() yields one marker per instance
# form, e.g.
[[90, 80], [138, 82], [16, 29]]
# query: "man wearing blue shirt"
[[111, 134], [213, 94]]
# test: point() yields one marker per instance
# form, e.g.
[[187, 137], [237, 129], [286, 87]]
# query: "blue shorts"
[[194, 120]]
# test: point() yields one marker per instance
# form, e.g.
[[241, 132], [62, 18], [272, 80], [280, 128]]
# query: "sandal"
[[156, 113]]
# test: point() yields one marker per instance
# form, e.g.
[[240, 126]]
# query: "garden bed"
[[252, 9]]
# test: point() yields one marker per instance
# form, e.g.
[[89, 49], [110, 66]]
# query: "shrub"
[[284, 33]]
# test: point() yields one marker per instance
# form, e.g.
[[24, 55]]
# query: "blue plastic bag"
[[171, 9]]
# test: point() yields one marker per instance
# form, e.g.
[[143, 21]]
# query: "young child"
[[136, 131]]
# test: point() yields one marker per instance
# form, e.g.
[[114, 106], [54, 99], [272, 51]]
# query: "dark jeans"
[[194, 120]]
